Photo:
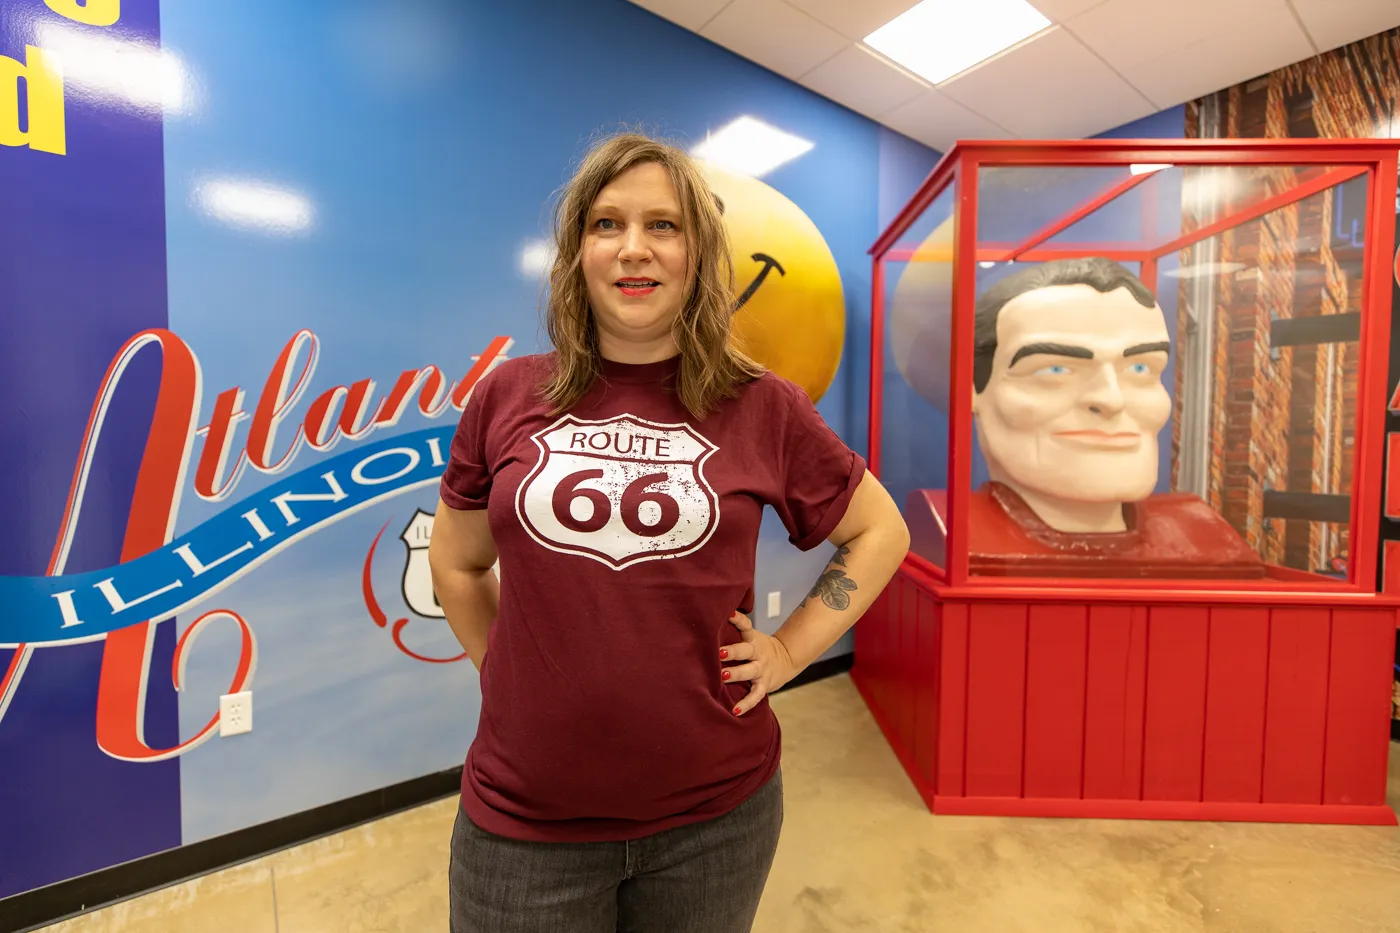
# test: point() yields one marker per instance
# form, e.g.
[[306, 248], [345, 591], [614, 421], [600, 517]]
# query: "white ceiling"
[[1101, 64]]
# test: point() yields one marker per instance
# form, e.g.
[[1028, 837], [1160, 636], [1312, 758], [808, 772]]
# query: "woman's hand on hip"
[[760, 659]]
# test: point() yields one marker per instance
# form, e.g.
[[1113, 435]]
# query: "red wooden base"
[[1166, 810], [1158, 710]]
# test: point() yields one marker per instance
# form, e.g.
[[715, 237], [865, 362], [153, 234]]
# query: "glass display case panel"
[[1269, 324], [938, 213], [1026, 207], [918, 290], [1165, 371]]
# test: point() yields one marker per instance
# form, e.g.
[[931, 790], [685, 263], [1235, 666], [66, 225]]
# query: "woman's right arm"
[[460, 554]]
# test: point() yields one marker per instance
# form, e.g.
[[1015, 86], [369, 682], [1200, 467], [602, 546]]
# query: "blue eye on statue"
[[1140, 369], [1054, 369]]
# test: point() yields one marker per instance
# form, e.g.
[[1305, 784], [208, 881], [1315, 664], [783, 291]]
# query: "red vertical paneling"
[[1358, 708], [1135, 719], [885, 637], [888, 636], [1174, 722], [889, 647], [952, 700], [1296, 717], [894, 677], [996, 684], [926, 689], [1116, 665], [1057, 643], [908, 664], [1236, 687]]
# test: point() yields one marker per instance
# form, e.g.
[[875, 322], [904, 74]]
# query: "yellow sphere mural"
[[791, 313]]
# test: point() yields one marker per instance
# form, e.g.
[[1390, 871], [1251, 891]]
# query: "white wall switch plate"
[[775, 604], [235, 713]]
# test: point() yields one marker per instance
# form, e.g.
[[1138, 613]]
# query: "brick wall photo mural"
[[1280, 390]]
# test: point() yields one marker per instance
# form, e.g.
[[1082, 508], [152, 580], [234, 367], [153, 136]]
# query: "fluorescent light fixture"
[[119, 72], [941, 38], [255, 205], [750, 147], [1203, 269], [1147, 168], [536, 259]]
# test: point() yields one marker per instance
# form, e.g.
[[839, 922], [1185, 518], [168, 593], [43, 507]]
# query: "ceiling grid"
[[1097, 65]]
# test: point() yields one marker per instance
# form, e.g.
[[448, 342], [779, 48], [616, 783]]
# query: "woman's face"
[[634, 258]]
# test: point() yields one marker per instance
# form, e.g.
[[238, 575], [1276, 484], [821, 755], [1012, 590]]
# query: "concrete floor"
[[860, 853]]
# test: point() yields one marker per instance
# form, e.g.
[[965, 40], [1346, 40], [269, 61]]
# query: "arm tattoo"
[[833, 586]]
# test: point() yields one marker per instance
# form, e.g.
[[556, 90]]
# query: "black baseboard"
[[63, 899], [820, 671]]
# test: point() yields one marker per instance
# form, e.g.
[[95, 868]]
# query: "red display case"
[[1246, 676]]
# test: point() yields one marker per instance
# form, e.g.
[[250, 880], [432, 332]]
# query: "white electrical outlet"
[[235, 713], [775, 604]]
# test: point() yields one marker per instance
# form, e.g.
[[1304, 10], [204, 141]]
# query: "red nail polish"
[[724, 676], [736, 711], [723, 653]]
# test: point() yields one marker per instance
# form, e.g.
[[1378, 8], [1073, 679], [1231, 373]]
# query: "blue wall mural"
[[257, 254]]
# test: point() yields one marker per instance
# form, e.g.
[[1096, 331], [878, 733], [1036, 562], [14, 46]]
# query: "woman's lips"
[[636, 288]]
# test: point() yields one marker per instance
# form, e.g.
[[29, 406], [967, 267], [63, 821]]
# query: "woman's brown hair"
[[711, 367]]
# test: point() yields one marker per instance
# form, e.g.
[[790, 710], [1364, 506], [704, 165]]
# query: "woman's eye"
[[605, 224], [665, 225]]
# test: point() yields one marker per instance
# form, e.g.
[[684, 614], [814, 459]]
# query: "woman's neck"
[[637, 351]]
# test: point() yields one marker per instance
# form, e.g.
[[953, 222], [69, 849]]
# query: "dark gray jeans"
[[703, 877]]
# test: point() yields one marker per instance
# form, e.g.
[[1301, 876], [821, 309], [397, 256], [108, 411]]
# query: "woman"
[[624, 774]]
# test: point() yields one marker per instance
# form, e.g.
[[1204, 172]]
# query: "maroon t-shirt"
[[627, 534]]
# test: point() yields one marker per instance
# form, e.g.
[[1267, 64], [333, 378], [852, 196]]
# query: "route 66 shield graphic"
[[620, 491]]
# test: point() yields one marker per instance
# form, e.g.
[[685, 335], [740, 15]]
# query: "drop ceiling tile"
[[1333, 23], [1058, 11], [854, 20], [1128, 32], [775, 35], [939, 121], [692, 14], [864, 81], [1051, 87], [1219, 60]]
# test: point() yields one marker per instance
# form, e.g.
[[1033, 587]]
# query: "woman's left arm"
[[871, 541]]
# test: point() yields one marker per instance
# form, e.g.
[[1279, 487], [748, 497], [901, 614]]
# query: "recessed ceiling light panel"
[[941, 38]]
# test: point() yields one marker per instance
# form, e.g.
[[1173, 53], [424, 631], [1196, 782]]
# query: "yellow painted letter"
[[43, 82], [94, 13]]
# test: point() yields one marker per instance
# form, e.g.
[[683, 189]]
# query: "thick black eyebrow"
[[1162, 347], [1051, 349]]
